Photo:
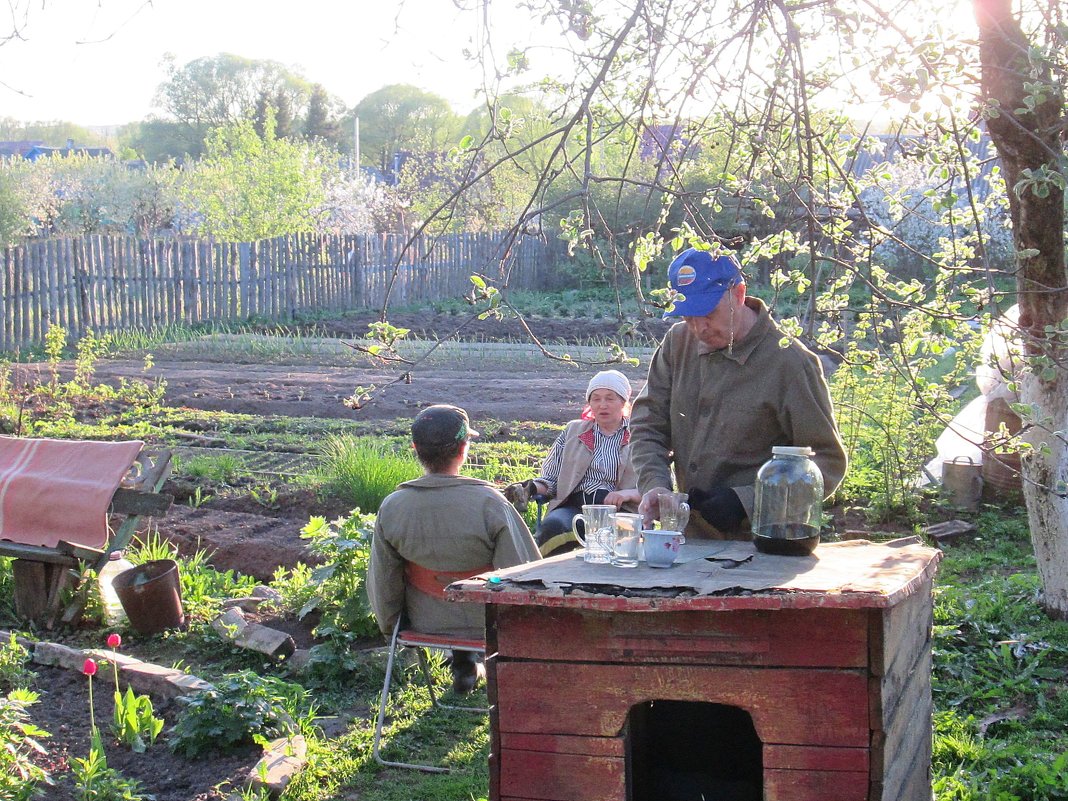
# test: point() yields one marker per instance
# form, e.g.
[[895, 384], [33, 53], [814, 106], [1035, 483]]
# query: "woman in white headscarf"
[[589, 463]]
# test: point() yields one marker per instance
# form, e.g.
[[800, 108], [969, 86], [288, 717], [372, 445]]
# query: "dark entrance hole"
[[693, 751]]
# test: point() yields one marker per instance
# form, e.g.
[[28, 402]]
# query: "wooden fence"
[[120, 283]]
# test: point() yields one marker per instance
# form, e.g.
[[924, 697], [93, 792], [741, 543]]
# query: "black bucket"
[[151, 595]]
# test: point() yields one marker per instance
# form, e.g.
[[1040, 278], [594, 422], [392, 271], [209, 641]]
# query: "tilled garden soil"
[[255, 540], [63, 711]]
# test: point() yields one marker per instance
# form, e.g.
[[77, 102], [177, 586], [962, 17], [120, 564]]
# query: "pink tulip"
[[89, 668], [114, 640]]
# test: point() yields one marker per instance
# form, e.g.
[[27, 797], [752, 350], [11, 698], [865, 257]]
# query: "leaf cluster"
[[242, 708], [20, 775], [134, 722], [344, 545]]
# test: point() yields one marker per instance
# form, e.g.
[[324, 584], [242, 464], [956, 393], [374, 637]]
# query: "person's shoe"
[[466, 675]]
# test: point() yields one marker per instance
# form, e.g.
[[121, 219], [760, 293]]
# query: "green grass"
[[1000, 677], [414, 732], [362, 472], [224, 468]]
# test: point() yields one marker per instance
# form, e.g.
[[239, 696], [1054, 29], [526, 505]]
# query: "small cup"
[[628, 537], [662, 547]]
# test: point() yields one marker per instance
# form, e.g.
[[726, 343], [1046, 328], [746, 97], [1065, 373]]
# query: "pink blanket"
[[52, 490]]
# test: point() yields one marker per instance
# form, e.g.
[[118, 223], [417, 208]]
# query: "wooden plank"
[[788, 706], [40, 293], [34, 585], [233, 287], [244, 278], [895, 748], [80, 552], [201, 252], [35, 553], [915, 783], [25, 282], [123, 298], [565, 744], [898, 636], [51, 289], [806, 757], [562, 777], [814, 785], [110, 301], [491, 699], [141, 269], [131, 501], [292, 290], [80, 286], [135, 265], [787, 638], [95, 271], [171, 277], [7, 314], [69, 287]]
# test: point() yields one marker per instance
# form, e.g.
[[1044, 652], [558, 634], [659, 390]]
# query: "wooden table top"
[[714, 575]]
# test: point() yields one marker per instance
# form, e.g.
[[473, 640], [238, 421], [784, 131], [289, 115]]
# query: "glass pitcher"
[[597, 520]]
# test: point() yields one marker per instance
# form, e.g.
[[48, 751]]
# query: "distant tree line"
[[247, 149]]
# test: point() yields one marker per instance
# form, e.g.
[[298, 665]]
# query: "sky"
[[98, 62]]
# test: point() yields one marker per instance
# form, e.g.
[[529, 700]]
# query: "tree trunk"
[[1026, 129]]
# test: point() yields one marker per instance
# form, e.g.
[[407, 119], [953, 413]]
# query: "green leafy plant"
[[94, 779], [295, 586], [198, 498], [265, 495], [55, 342], [241, 708], [90, 348], [133, 720], [341, 581], [20, 776], [14, 658], [888, 431]]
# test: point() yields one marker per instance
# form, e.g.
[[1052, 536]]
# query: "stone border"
[[282, 758]]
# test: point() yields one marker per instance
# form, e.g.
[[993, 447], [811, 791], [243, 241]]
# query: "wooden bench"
[[42, 573]]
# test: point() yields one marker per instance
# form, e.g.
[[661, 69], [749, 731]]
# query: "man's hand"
[[720, 506], [519, 493], [620, 497], [649, 508]]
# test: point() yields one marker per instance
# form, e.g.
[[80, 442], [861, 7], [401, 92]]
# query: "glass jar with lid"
[[789, 503]]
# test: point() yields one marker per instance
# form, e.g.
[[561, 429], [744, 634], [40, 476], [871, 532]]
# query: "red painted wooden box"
[[601, 693]]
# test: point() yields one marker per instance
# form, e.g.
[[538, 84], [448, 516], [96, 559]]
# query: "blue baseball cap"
[[702, 279]]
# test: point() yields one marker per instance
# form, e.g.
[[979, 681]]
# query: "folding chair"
[[433, 583]]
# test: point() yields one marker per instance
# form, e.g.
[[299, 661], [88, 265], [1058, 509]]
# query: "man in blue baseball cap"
[[725, 386]]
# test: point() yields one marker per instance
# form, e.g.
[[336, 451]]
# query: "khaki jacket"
[[578, 456], [715, 416], [447, 523]]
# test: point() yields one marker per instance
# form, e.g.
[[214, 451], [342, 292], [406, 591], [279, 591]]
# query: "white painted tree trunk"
[[1045, 473]]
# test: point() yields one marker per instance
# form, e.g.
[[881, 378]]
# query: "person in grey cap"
[[588, 463], [447, 523], [724, 389]]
